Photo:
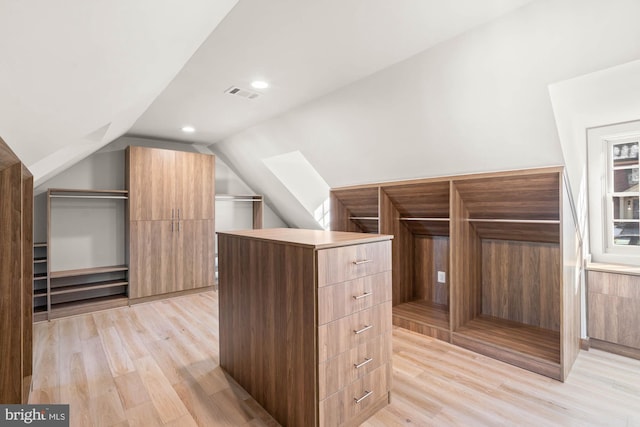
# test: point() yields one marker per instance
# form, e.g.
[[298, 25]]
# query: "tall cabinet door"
[[195, 255], [152, 184], [152, 266], [195, 185]]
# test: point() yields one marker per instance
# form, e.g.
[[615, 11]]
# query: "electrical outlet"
[[442, 277]]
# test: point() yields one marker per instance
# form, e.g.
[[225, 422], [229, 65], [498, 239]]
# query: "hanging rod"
[[60, 196]]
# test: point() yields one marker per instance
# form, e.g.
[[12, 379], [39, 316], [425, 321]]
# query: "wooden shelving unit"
[[76, 291], [40, 282], [501, 240]]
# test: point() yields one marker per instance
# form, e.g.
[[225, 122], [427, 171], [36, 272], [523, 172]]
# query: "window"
[[623, 221], [614, 193]]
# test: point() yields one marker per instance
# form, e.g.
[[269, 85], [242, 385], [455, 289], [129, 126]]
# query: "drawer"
[[343, 299], [346, 404], [340, 371], [342, 334], [337, 265]]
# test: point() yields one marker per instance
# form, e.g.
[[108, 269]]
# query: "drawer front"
[[340, 371], [340, 407], [342, 334], [343, 299], [344, 263]]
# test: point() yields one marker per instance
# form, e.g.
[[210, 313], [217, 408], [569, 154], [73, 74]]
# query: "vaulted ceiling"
[[76, 75]]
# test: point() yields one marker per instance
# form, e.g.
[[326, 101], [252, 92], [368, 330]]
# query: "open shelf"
[[424, 317], [87, 287], [355, 209], [40, 276], [526, 346], [87, 271], [40, 245], [88, 305]]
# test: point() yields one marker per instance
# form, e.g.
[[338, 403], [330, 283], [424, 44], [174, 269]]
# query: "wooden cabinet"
[[170, 185], [171, 228], [487, 261], [306, 367], [16, 278]]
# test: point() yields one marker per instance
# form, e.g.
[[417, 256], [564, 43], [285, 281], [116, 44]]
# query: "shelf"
[[424, 317], [542, 231], [87, 271], [88, 287], [539, 343], [71, 193], [39, 260], [515, 221], [40, 276], [424, 219], [364, 218], [39, 293], [40, 245], [87, 305], [238, 198]]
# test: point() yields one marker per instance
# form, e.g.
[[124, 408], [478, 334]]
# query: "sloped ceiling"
[[75, 75]]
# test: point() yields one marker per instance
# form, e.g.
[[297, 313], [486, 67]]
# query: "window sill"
[[614, 268]]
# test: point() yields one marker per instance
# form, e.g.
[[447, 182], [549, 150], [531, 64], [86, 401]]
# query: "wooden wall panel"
[[27, 282], [11, 314], [402, 250], [465, 265], [521, 282], [614, 308], [259, 311], [431, 255]]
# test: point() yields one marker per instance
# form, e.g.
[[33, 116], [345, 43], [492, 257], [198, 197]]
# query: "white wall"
[[479, 102], [91, 233]]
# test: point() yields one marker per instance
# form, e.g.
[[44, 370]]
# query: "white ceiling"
[[305, 49], [76, 74]]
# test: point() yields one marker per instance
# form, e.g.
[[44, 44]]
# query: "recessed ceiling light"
[[259, 84], [188, 129]]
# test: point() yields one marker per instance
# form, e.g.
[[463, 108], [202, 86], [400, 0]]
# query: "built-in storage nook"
[[478, 261]]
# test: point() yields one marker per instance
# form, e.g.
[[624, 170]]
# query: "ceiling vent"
[[242, 93]]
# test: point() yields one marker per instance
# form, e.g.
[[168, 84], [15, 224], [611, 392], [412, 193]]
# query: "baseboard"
[[585, 344], [622, 350], [171, 295]]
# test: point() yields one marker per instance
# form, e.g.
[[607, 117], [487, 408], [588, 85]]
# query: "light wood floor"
[[157, 364]]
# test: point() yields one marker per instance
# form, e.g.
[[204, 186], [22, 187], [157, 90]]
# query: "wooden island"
[[305, 322]]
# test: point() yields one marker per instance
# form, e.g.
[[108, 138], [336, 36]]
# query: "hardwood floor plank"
[[156, 364]]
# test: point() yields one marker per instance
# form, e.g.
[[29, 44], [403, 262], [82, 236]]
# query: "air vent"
[[242, 93]]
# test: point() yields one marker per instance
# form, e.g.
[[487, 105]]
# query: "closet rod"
[[88, 197]]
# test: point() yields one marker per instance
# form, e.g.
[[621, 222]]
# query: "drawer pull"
[[366, 328], [366, 394], [366, 294], [364, 261], [361, 364]]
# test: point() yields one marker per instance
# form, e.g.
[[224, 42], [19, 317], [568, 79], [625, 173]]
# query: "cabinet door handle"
[[364, 261], [179, 225], [366, 294], [178, 214], [172, 225], [361, 364], [173, 213], [366, 328], [366, 394]]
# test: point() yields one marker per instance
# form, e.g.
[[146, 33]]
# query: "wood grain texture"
[[360, 203], [340, 371], [342, 299], [521, 281], [622, 350], [465, 263], [402, 250], [27, 282], [11, 283], [337, 265], [541, 232], [267, 324], [195, 185], [151, 258], [614, 308], [194, 255], [531, 195], [431, 255], [258, 215], [421, 199], [314, 239], [340, 408], [340, 335], [435, 383], [151, 183]]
